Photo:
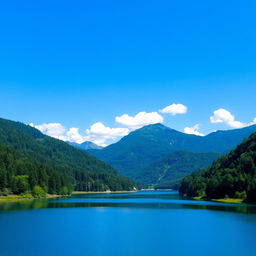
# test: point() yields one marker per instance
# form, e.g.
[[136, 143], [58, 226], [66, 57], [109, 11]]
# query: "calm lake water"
[[142, 223]]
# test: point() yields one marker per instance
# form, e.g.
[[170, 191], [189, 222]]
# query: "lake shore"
[[221, 200], [102, 192], [14, 198], [229, 200]]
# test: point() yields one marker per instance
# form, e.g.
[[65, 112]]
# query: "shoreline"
[[229, 200], [17, 198], [102, 192], [220, 200]]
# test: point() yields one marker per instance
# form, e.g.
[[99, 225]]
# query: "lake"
[[142, 223]]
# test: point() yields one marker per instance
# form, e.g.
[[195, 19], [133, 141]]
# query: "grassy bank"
[[229, 200], [198, 198], [221, 200], [25, 197]]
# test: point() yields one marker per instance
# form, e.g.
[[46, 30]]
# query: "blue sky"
[[82, 62]]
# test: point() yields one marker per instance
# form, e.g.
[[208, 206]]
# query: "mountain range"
[[139, 154], [155, 155]]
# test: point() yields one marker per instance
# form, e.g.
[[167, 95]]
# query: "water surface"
[[142, 223]]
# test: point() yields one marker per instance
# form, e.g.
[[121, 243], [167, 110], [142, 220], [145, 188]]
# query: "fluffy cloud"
[[101, 134], [73, 135], [52, 129], [58, 131], [139, 120], [97, 133], [174, 109], [193, 130], [224, 116]]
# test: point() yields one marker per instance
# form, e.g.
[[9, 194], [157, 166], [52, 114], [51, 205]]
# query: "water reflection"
[[146, 200]]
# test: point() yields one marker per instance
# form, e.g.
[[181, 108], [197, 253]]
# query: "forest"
[[231, 176], [33, 162], [19, 175]]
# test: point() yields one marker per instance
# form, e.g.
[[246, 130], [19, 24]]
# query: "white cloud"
[[174, 109], [139, 120], [52, 129], [58, 131], [224, 116], [98, 133], [101, 134], [193, 130], [73, 135]]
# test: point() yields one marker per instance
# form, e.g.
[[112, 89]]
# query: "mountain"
[[153, 143], [85, 145], [84, 171], [232, 176], [170, 170]]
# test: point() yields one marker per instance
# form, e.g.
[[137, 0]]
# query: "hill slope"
[[85, 171], [174, 167], [233, 175], [152, 143]]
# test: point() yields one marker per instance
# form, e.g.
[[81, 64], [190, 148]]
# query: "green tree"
[[38, 192], [21, 184]]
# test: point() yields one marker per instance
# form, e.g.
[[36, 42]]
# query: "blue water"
[[143, 223]]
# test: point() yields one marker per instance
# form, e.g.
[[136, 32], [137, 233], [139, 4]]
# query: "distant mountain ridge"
[[152, 143], [85, 145]]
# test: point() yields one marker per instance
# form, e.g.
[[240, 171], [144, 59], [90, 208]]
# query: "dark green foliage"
[[169, 171], [233, 175], [19, 175], [51, 164], [20, 184], [152, 143]]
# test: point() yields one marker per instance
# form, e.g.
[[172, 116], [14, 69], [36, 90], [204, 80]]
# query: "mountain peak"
[[155, 127]]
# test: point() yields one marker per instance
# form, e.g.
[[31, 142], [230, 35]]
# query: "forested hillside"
[[168, 172], [84, 171], [232, 176], [19, 174]]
